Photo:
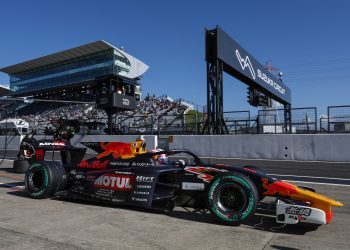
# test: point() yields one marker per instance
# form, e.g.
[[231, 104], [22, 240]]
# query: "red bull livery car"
[[124, 173]]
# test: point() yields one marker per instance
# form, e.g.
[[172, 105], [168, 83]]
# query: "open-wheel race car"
[[125, 173]]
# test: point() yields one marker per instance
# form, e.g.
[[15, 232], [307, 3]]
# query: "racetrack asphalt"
[[54, 223]]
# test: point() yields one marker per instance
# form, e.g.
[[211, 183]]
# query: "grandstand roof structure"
[[69, 54], [4, 90]]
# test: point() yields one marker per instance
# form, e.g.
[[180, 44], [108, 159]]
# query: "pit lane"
[[26, 223]]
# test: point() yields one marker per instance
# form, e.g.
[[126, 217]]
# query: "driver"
[[161, 159]]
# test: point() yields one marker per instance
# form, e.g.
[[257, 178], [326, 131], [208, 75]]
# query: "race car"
[[32, 149], [125, 173]]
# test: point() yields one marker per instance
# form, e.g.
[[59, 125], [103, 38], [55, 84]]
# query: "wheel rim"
[[231, 198], [36, 180]]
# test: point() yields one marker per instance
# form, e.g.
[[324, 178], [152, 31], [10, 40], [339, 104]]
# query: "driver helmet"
[[161, 159]]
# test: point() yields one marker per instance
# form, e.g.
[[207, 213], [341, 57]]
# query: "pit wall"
[[13, 142], [318, 147]]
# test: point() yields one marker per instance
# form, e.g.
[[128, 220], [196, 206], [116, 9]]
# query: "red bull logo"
[[94, 164], [117, 149]]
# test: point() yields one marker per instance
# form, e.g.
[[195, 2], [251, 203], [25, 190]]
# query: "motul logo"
[[115, 182]]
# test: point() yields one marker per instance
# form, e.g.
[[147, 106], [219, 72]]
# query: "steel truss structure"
[[218, 55]]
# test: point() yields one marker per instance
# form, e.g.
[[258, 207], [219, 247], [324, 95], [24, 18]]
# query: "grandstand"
[[151, 112]]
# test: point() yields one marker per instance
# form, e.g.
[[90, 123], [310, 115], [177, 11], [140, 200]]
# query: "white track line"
[[8, 185], [319, 183], [312, 177]]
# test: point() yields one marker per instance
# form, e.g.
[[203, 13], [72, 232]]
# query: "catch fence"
[[267, 121]]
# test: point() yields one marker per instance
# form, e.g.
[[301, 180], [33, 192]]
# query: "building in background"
[[4, 90], [71, 74]]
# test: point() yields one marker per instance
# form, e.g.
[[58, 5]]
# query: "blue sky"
[[307, 40]]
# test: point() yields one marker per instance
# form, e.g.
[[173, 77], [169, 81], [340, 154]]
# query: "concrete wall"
[[151, 140], [318, 147], [12, 142]]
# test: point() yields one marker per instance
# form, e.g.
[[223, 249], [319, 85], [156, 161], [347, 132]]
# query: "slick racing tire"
[[232, 198], [44, 178], [20, 166], [259, 171]]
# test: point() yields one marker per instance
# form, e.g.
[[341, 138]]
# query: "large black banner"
[[124, 101], [242, 65]]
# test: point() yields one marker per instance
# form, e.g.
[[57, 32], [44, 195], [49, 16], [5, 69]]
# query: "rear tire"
[[20, 166], [43, 179], [232, 198]]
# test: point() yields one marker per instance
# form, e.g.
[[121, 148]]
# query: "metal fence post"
[[258, 123], [152, 121], [316, 120], [158, 127], [328, 125]]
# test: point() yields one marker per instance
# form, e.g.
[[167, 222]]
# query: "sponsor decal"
[[144, 186], [103, 194], [115, 182], [205, 173], [55, 143], [80, 177], [117, 149], [141, 192], [122, 172], [294, 210], [120, 163], [296, 217], [141, 164], [28, 150], [126, 102], [139, 199], [94, 164], [140, 178], [20, 123], [192, 186], [117, 200]]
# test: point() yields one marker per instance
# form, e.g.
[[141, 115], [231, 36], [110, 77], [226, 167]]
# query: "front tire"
[[43, 179], [232, 198]]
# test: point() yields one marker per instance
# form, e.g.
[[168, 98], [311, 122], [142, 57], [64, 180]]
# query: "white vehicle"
[[14, 127]]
